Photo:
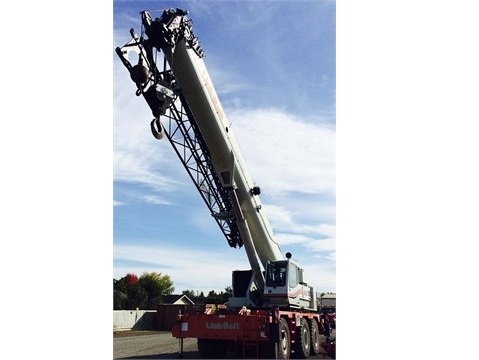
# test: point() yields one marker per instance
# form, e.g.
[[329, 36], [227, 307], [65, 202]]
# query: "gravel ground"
[[151, 345], [131, 344]]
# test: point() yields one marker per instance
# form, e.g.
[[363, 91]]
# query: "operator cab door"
[[276, 282]]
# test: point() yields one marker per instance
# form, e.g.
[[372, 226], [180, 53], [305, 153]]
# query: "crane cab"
[[285, 287]]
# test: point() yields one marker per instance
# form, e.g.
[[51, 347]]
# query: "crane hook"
[[158, 131]]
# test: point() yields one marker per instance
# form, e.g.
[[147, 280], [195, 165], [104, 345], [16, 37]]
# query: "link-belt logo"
[[224, 325]]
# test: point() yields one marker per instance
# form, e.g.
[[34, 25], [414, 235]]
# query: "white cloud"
[[314, 244], [288, 239], [282, 151], [322, 245], [286, 220], [227, 82], [279, 215], [320, 274], [130, 167], [156, 200]]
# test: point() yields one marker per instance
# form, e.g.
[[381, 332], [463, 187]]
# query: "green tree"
[[121, 291], [154, 285], [120, 285], [119, 300], [220, 298], [137, 297], [224, 296]]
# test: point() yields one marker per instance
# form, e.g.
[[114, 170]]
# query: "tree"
[[120, 293], [190, 293], [125, 282], [137, 297], [220, 298], [131, 292], [227, 294], [131, 279], [119, 300], [155, 285]]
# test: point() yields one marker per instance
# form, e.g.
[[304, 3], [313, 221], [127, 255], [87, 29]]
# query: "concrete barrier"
[[134, 319]]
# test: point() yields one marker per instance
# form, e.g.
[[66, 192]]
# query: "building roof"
[[328, 296], [176, 300]]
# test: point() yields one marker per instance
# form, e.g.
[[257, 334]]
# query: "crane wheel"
[[285, 340], [302, 347], [315, 337]]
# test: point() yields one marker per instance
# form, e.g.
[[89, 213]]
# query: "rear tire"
[[315, 341], [303, 340]]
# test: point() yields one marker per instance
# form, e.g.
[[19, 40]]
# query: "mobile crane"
[[272, 311]]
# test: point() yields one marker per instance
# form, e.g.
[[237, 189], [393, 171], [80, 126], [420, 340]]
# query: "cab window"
[[276, 274]]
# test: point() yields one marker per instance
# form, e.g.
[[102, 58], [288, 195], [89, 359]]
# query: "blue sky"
[[273, 67]]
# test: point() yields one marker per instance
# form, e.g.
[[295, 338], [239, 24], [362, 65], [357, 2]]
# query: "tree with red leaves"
[[131, 279]]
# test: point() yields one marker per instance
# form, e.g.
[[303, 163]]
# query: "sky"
[[273, 67]]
